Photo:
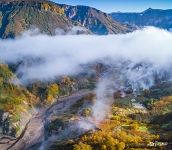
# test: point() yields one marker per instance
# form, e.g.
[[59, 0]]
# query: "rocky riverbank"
[[45, 127]]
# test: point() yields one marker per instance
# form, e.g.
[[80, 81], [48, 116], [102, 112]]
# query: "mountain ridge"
[[17, 16], [161, 18], [95, 20]]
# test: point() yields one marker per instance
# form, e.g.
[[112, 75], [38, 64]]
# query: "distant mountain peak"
[[148, 10], [150, 17]]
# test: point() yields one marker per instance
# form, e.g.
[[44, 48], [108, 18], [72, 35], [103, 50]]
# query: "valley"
[[77, 78], [68, 122]]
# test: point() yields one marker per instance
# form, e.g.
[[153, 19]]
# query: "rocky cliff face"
[[150, 17], [16, 103], [95, 20]]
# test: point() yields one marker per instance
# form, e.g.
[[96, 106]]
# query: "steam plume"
[[134, 58]]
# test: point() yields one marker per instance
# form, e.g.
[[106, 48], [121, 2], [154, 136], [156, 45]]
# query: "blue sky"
[[121, 5]]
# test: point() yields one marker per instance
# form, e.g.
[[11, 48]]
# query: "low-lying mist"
[[64, 54], [133, 58]]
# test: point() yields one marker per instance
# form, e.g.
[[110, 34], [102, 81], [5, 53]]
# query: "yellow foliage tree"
[[82, 146], [52, 92]]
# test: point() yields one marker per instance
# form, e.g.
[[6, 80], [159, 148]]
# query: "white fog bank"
[[63, 54]]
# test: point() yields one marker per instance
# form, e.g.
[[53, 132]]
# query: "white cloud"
[[64, 54]]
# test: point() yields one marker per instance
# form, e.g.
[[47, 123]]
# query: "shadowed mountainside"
[[95, 20], [150, 17]]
